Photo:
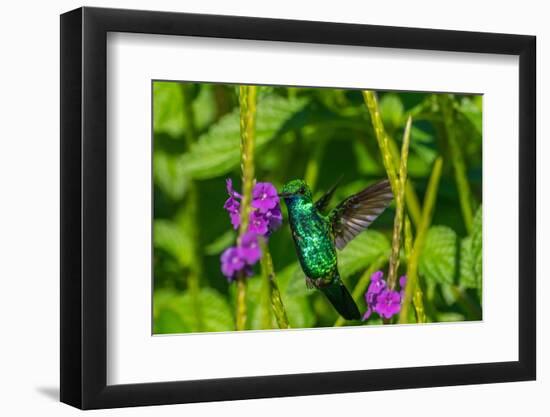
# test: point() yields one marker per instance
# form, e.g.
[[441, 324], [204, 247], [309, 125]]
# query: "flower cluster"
[[381, 299], [265, 217]]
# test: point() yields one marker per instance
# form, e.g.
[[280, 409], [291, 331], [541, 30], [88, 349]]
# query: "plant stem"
[[382, 138], [363, 283], [268, 274], [461, 179], [266, 322], [247, 102], [390, 156], [412, 290], [411, 198], [400, 207], [241, 303]]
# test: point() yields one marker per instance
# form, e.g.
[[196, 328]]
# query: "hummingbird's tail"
[[342, 300]]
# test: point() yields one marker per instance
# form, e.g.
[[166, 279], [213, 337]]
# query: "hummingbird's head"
[[295, 189]]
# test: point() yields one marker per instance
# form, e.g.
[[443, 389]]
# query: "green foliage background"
[[319, 135]]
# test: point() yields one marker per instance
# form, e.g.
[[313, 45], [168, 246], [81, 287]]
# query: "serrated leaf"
[[168, 115], [477, 250], [438, 258], [218, 151], [170, 237], [169, 175], [466, 277], [174, 312], [361, 252]]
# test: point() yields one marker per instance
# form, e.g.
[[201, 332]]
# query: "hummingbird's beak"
[[284, 195]]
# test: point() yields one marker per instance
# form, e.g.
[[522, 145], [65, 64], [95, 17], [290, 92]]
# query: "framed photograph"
[[258, 208]]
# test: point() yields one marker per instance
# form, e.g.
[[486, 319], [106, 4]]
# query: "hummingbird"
[[317, 235]]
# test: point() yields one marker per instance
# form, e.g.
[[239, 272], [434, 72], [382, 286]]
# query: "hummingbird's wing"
[[322, 203], [356, 213]]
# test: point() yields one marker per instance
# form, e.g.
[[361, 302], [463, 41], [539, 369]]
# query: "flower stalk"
[[413, 289], [400, 207], [398, 181], [247, 102], [382, 138], [411, 199], [273, 294]]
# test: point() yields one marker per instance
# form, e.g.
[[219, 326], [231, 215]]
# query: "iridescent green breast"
[[314, 244]]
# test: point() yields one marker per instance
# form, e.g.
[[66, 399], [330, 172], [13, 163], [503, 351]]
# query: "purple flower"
[[232, 262], [367, 313], [258, 223], [264, 197], [265, 217], [274, 218], [250, 248], [233, 206], [377, 284], [388, 303], [382, 300], [230, 190]]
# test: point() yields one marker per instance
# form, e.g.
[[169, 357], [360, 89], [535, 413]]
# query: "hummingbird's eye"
[[302, 190]]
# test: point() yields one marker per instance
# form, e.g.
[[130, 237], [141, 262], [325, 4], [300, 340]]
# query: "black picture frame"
[[84, 207]]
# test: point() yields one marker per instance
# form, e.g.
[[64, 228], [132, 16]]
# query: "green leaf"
[[477, 250], [361, 252], [391, 110], [448, 293], [204, 107], [254, 302], [173, 312], [449, 317], [217, 152], [420, 136], [366, 162], [169, 175], [168, 114], [220, 243], [296, 301], [294, 281], [299, 311], [171, 238], [466, 277], [438, 257], [472, 110], [425, 153]]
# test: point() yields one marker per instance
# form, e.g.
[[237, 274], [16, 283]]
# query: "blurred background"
[[319, 135]]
